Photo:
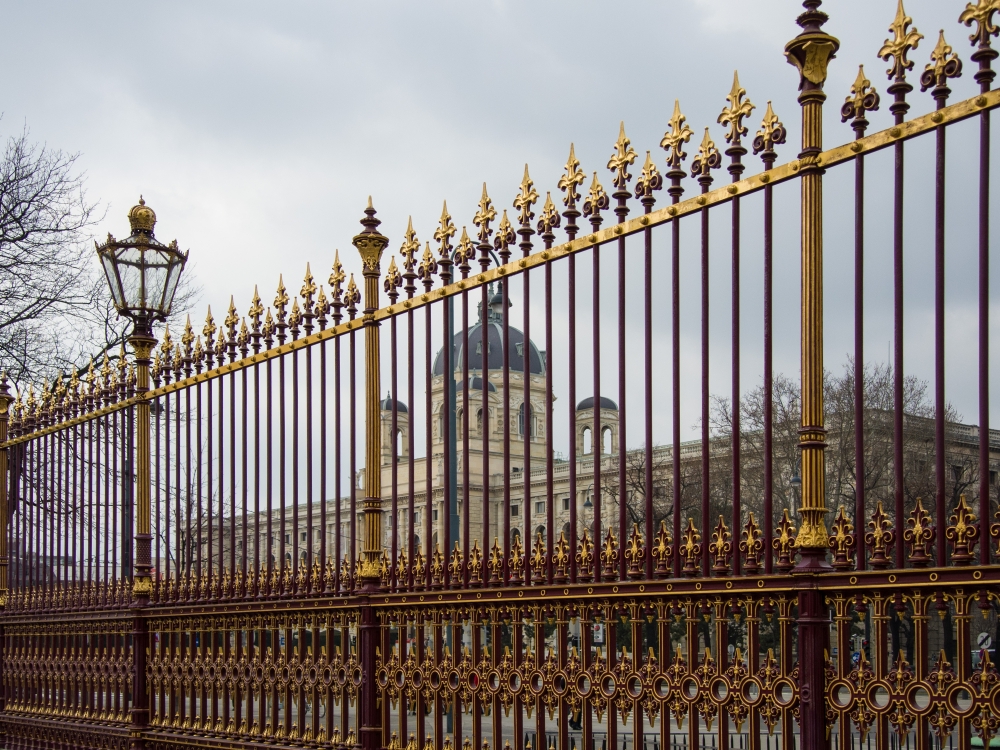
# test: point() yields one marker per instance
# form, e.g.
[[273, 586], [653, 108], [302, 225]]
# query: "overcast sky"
[[257, 130]]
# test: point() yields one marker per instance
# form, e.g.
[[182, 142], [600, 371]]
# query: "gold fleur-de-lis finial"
[[428, 266], [649, 178], [91, 376], [504, 236], [392, 278], [187, 338], [620, 160], [281, 298], [308, 289], [295, 317], [526, 198], [739, 107], [322, 307], [863, 98], [573, 178], [209, 330], [445, 231], [550, 217], [220, 345], [232, 319], [597, 198], [944, 64], [981, 14], [771, 132], [166, 346], [484, 216], [409, 247], [708, 157], [465, 252], [674, 139], [268, 329], [336, 275], [352, 296], [243, 339], [256, 310], [903, 40]]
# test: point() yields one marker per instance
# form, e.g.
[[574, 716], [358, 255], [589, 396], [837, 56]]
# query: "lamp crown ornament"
[[141, 217]]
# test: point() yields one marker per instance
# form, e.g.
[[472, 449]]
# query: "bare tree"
[[55, 307]]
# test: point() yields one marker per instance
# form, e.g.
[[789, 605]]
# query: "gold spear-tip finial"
[[903, 40], [674, 139], [620, 160], [738, 108], [572, 179]]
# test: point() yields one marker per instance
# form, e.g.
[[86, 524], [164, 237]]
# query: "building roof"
[[494, 361], [386, 404], [588, 403]]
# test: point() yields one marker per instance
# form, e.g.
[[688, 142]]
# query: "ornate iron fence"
[[275, 587]]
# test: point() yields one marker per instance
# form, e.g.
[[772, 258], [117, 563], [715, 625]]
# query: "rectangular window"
[[435, 514], [540, 507], [993, 477], [565, 503], [515, 510], [302, 536]]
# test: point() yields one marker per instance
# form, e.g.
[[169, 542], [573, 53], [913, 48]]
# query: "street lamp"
[[143, 274]]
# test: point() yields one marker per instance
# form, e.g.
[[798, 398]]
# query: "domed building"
[[479, 393]]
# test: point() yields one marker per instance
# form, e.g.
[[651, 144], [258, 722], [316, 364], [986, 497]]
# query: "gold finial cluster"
[[573, 178], [898, 48], [620, 160], [526, 198], [739, 108], [674, 139]]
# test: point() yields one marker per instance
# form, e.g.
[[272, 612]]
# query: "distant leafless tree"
[[55, 307]]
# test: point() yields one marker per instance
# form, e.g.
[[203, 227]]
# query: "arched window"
[[566, 530], [606, 439], [399, 442], [459, 424], [539, 530], [587, 441], [479, 420], [530, 429], [515, 534]]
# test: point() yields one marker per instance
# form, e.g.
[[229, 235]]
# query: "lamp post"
[[143, 274]]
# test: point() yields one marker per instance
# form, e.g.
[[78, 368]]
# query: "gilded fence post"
[[142, 342], [810, 52], [370, 244]]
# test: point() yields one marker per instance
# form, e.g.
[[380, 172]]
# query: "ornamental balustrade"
[[233, 539]]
